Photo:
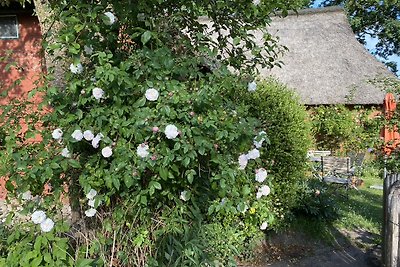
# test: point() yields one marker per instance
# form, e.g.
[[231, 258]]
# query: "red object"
[[390, 135], [24, 55]]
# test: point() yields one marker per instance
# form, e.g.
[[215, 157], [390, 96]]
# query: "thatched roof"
[[325, 63]]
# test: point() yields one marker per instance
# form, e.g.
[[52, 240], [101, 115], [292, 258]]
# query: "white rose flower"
[[98, 93], [261, 175], [142, 150], [184, 195], [88, 135], [258, 144], [263, 191], [223, 201], [65, 153], [88, 49], [92, 193], [57, 134], [96, 140], [106, 152], [171, 131], [151, 94], [38, 216], [264, 226], [253, 154], [26, 195], [259, 140], [256, 2], [90, 212], [242, 161], [77, 135], [111, 18], [242, 208], [76, 69], [47, 225], [91, 203], [251, 87]]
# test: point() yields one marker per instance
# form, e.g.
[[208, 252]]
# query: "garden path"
[[350, 249]]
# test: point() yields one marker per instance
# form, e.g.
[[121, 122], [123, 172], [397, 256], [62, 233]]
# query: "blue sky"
[[370, 45]]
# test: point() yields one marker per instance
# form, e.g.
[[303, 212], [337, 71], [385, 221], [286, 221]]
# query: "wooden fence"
[[391, 223]]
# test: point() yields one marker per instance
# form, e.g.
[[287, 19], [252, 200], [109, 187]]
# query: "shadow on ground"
[[298, 249]]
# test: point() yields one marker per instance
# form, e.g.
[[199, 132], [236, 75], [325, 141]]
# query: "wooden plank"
[[335, 164], [391, 225]]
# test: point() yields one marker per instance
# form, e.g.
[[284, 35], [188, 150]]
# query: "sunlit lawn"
[[358, 211], [363, 208]]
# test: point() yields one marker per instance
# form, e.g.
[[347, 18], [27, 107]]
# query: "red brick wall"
[[26, 53]]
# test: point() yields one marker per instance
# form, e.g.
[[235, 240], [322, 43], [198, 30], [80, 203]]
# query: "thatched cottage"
[[325, 63]]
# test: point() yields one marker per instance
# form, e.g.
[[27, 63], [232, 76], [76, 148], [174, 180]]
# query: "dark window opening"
[[8, 27]]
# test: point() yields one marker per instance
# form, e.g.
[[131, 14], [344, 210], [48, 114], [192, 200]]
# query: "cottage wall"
[[25, 55]]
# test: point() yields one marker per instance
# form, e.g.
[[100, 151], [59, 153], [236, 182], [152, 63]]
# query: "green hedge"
[[289, 132]]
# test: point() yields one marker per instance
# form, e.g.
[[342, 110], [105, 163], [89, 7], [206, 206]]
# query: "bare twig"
[[113, 248]]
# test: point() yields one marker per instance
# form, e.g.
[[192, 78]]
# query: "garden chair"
[[336, 171], [315, 158], [357, 160]]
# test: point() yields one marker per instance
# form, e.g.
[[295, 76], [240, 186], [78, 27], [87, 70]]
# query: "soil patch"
[[350, 248]]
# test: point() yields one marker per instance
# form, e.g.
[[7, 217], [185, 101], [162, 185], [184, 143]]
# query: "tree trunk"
[[49, 27]]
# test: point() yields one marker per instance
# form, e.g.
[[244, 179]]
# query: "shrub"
[[156, 152], [317, 202], [340, 129], [288, 128]]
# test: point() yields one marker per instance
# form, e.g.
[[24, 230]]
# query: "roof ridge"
[[311, 11]]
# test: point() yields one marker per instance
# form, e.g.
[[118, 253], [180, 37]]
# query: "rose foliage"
[[149, 136]]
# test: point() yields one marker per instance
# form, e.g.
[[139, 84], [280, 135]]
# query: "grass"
[[358, 211], [363, 209]]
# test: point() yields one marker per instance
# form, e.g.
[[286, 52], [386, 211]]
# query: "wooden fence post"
[[391, 224]]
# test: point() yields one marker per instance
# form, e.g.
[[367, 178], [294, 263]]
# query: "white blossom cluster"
[[76, 68], [111, 19], [252, 86], [261, 173], [90, 197], [39, 217], [184, 195], [78, 135]]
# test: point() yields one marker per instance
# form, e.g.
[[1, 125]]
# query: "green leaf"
[[140, 103], [246, 190], [128, 180], [84, 262], [37, 261], [186, 161], [143, 200], [54, 165], [163, 173], [190, 178], [202, 150], [78, 27], [236, 40], [146, 36], [116, 182], [74, 163], [38, 243], [157, 185], [47, 257]]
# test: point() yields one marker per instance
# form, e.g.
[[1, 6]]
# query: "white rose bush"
[[143, 141]]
